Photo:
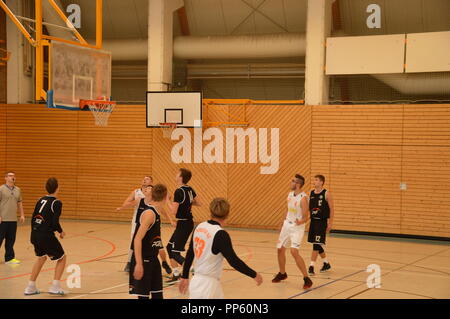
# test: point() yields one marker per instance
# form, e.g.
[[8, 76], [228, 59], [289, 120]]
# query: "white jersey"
[[138, 194], [205, 262], [294, 207]]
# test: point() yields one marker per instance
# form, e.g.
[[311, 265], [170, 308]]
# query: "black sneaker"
[[127, 267], [174, 278], [279, 277], [307, 283], [325, 267], [166, 267], [311, 271]]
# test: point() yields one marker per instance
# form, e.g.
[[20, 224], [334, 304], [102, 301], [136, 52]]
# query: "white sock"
[[32, 284], [176, 271], [312, 263], [325, 260], [56, 284]]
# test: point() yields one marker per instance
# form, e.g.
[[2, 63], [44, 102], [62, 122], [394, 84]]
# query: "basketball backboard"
[[181, 108], [78, 73]]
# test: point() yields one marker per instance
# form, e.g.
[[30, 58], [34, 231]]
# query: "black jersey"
[[46, 214], [184, 196], [318, 205], [151, 243]]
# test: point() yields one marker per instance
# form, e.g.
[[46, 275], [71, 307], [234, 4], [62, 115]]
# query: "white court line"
[[121, 285], [97, 291]]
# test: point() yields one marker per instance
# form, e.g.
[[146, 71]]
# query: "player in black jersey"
[[44, 223], [145, 270], [184, 198], [322, 214]]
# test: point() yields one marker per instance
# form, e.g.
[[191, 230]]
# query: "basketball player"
[[210, 244], [133, 201], [145, 269], [293, 230], [44, 223], [183, 200], [321, 207]]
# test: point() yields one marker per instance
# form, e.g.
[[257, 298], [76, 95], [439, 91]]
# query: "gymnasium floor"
[[410, 268]]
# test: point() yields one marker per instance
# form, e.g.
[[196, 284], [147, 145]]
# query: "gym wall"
[[365, 152]]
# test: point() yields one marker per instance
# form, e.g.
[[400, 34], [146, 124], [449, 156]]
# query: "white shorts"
[[291, 232], [205, 287]]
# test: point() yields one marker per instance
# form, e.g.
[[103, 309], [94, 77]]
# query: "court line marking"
[[113, 248], [394, 270], [326, 284], [97, 291]]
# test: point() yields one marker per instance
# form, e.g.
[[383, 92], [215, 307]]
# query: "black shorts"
[[317, 231], [151, 282], [181, 235], [47, 244]]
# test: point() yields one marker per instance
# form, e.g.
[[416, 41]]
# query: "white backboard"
[[182, 108]]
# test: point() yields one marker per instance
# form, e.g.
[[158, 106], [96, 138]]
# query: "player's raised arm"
[[131, 201], [147, 219]]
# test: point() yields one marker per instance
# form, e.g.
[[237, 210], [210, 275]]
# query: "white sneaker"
[[29, 291], [56, 291]]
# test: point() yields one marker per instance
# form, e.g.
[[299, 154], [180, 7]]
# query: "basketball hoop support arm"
[[43, 40]]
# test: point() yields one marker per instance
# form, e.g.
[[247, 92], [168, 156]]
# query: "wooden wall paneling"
[[260, 200], [111, 161], [365, 181], [42, 144]]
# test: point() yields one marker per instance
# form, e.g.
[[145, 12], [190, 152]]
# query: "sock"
[[56, 283], [32, 284], [176, 271], [312, 263], [325, 260]]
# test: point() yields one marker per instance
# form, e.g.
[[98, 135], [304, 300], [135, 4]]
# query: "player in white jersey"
[[292, 231], [133, 201], [210, 244]]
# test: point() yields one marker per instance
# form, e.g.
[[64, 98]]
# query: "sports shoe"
[[29, 291], [311, 271], [174, 278], [13, 261], [325, 267], [307, 283], [56, 291], [127, 267], [279, 277], [166, 267]]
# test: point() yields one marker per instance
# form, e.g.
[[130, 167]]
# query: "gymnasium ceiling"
[[128, 19]]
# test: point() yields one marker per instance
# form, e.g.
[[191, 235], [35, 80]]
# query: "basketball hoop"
[[168, 129], [100, 109]]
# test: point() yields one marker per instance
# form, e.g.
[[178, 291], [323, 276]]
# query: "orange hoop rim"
[[168, 125], [85, 103]]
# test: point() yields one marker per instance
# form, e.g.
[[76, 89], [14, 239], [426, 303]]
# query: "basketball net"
[[100, 109]]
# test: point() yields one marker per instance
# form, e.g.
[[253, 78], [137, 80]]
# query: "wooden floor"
[[410, 268]]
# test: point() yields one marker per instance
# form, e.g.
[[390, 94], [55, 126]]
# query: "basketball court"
[[245, 94], [410, 268]]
